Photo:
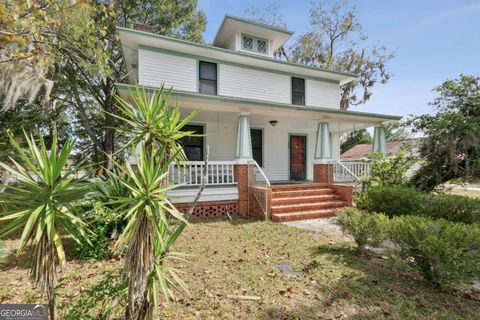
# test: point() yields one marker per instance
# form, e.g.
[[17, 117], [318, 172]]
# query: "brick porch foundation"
[[323, 172], [241, 176], [210, 209]]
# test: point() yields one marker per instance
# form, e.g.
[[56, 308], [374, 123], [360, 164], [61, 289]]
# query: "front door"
[[298, 159]]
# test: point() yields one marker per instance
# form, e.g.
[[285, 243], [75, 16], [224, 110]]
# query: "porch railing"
[[259, 186], [350, 171], [191, 173]]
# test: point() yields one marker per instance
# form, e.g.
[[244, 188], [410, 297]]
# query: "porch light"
[[273, 122]]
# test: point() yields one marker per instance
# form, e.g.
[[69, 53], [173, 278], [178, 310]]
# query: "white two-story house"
[[269, 124]]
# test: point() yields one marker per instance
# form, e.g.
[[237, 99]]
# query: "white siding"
[[322, 94], [253, 84], [221, 130], [276, 151], [156, 68], [182, 195]]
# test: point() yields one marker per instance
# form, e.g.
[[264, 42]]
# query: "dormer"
[[249, 36]]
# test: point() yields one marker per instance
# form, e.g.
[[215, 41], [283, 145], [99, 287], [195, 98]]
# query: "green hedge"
[[364, 227], [443, 252], [396, 201]]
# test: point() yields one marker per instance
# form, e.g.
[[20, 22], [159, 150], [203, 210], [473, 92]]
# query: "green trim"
[[217, 61], [263, 143], [255, 23], [197, 66], [204, 125], [290, 134], [244, 54], [128, 87]]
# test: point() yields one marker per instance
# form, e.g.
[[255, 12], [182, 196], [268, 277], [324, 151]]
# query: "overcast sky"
[[433, 40]]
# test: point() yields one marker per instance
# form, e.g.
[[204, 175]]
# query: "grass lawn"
[[465, 193], [238, 257]]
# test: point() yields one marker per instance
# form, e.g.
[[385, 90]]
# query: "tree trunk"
[[52, 310], [109, 137]]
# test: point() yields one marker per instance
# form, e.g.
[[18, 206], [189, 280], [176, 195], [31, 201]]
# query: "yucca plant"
[[40, 202], [154, 224], [150, 121]]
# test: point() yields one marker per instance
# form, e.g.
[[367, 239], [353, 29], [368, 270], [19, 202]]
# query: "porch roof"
[[335, 113]]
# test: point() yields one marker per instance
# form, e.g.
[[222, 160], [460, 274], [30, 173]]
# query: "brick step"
[[301, 199], [307, 206], [295, 216], [298, 186], [300, 193]]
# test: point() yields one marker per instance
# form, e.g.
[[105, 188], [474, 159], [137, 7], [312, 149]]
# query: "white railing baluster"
[[191, 173], [350, 171]]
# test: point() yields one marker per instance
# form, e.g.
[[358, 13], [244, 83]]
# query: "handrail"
[[259, 188], [259, 169], [346, 169]]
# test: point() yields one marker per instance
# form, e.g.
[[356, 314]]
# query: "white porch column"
[[379, 141], [323, 148], [243, 151]]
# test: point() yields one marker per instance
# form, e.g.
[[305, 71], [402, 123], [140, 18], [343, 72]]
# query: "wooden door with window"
[[298, 157]]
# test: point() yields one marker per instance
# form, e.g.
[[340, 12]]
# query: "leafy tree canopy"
[[335, 41], [33, 34], [396, 130], [451, 148], [356, 137]]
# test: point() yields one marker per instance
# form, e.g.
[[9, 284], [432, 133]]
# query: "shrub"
[[388, 170], [104, 300], [395, 201], [443, 252], [452, 207], [104, 226], [102, 213], [392, 200], [364, 227]]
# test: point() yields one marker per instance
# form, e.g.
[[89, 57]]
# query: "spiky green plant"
[[150, 121], [154, 224], [40, 202]]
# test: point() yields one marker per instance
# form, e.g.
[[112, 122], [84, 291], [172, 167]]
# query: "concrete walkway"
[[327, 228]]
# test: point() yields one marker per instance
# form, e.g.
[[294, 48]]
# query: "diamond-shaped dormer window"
[[254, 44], [248, 42], [262, 46]]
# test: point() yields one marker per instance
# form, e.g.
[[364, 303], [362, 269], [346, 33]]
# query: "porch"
[[233, 188], [277, 167]]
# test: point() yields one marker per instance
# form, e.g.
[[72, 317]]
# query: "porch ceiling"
[[342, 120]]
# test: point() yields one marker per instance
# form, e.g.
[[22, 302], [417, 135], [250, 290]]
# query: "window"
[[254, 44], [248, 42], [207, 77], [262, 46], [193, 146], [298, 91], [257, 145]]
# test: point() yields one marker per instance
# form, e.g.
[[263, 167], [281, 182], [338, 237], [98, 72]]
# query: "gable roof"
[[363, 150]]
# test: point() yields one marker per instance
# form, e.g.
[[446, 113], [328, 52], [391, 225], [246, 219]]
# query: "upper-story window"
[[298, 91], [207, 77], [255, 44]]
